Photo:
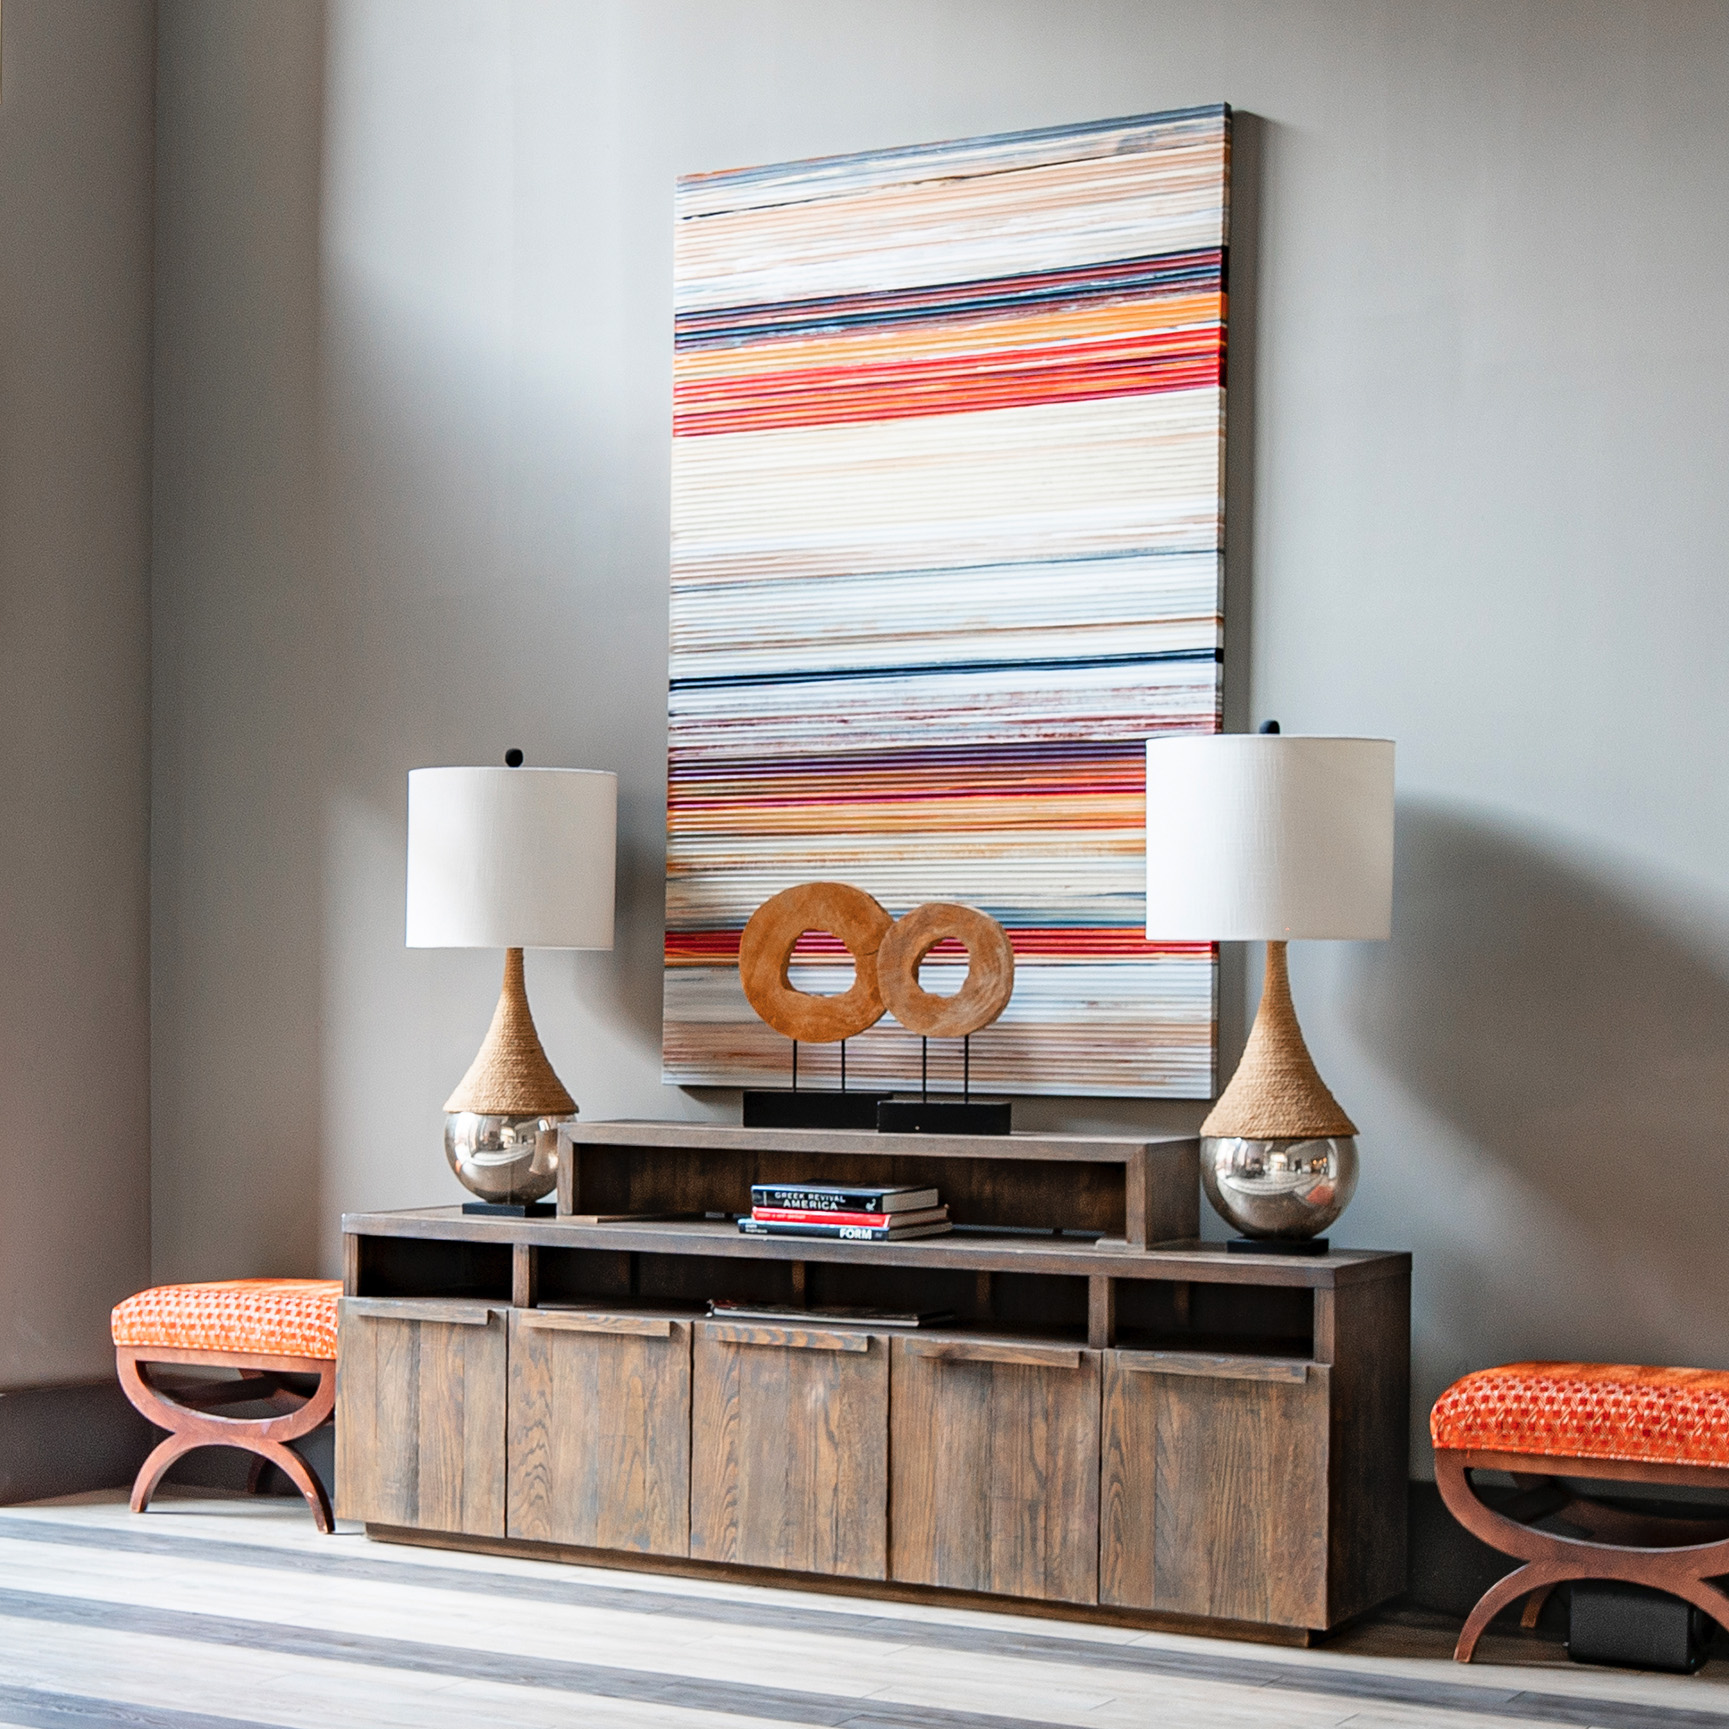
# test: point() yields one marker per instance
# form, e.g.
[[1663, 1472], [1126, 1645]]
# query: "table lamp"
[[1262, 837], [510, 858]]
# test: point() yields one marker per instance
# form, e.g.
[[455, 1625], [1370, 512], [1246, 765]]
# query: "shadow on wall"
[[1580, 1044]]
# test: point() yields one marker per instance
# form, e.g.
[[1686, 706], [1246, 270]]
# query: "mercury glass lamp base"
[[507, 1159], [1279, 1188]]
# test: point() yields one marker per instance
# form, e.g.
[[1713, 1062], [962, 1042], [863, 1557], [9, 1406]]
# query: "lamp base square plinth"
[[774, 1108], [1275, 1245], [511, 1209], [943, 1116]]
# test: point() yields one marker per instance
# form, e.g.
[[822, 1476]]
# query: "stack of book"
[[863, 1215]]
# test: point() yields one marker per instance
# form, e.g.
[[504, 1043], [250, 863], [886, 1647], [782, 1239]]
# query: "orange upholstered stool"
[[271, 1330], [1544, 1422]]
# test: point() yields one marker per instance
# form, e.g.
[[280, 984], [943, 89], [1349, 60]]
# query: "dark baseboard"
[[67, 1440], [1448, 1569]]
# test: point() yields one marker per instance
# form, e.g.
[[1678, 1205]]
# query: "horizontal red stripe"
[[739, 389], [949, 386], [1095, 942]]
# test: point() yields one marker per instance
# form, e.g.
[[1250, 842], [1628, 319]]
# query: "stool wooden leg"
[[265, 1438], [155, 1468], [1533, 1576], [1680, 1567], [1534, 1606], [295, 1468]]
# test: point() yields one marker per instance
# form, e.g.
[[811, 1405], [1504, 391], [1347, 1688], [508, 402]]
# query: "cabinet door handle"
[[440, 1310], [791, 1338], [579, 1321], [994, 1351], [1218, 1368]]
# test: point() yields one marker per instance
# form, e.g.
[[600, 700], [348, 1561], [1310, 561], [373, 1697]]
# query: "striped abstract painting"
[[947, 538]]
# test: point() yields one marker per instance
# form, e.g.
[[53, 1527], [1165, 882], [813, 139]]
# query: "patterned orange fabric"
[[1589, 1411], [274, 1317]]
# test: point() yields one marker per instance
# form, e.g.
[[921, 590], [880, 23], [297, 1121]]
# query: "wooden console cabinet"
[[1120, 1419]]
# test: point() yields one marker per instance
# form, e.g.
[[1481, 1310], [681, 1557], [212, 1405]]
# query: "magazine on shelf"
[[846, 1233], [871, 1221]]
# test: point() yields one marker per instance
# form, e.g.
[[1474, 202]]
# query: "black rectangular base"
[[943, 1116], [1634, 1627], [765, 1109], [511, 1209], [1275, 1245]]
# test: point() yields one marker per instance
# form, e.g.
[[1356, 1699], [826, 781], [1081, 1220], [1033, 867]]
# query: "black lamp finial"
[[513, 757]]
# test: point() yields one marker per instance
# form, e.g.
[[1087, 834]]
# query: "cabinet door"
[[789, 1449], [1214, 1486], [600, 1430], [420, 1414], [996, 1467]]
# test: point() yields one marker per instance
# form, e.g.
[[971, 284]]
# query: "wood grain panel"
[[599, 1430], [1028, 1352], [590, 1321], [1213, 1492], [1365, 1331], [420, 1417], [995, 1469], [789, 1464], [788, 1338]]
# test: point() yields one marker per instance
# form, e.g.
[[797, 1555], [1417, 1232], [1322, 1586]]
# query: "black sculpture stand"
[[943, 1115], [802, 1109]]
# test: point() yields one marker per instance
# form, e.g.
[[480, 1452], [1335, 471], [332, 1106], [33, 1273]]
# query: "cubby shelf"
[[1190, 1259]]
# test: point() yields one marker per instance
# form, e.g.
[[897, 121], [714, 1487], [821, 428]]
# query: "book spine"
[[878, 1221], [848, 1233], [810, 1200], [816, 1201]]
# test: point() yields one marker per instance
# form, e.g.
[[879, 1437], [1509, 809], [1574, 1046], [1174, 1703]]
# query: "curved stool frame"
[[188, 1414], [1680, 1556]]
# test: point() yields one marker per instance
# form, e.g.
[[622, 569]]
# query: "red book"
[[871, 1221]]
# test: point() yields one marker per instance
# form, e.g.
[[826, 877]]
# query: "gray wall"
[[412, 477], [75, 176]]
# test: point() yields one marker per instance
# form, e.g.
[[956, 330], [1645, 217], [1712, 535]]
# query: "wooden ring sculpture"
[[765, 950], [990, 978]]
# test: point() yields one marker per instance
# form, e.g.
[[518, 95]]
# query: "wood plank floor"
[[228, 1613]]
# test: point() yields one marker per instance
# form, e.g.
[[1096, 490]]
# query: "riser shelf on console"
[[1137, 1191]]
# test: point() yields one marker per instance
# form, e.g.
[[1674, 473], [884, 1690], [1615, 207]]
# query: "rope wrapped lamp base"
[[510, 1076], [1277, 1092]]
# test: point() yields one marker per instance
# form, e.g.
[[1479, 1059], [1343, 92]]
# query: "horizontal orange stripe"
[[948, 814], [977, 337]]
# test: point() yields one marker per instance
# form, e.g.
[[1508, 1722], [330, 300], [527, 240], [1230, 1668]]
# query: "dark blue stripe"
[[734, 326], [841, 674]]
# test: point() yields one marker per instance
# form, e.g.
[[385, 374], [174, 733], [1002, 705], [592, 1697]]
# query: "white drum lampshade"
[[1263, 837], [511, 858], [1256, 837]]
